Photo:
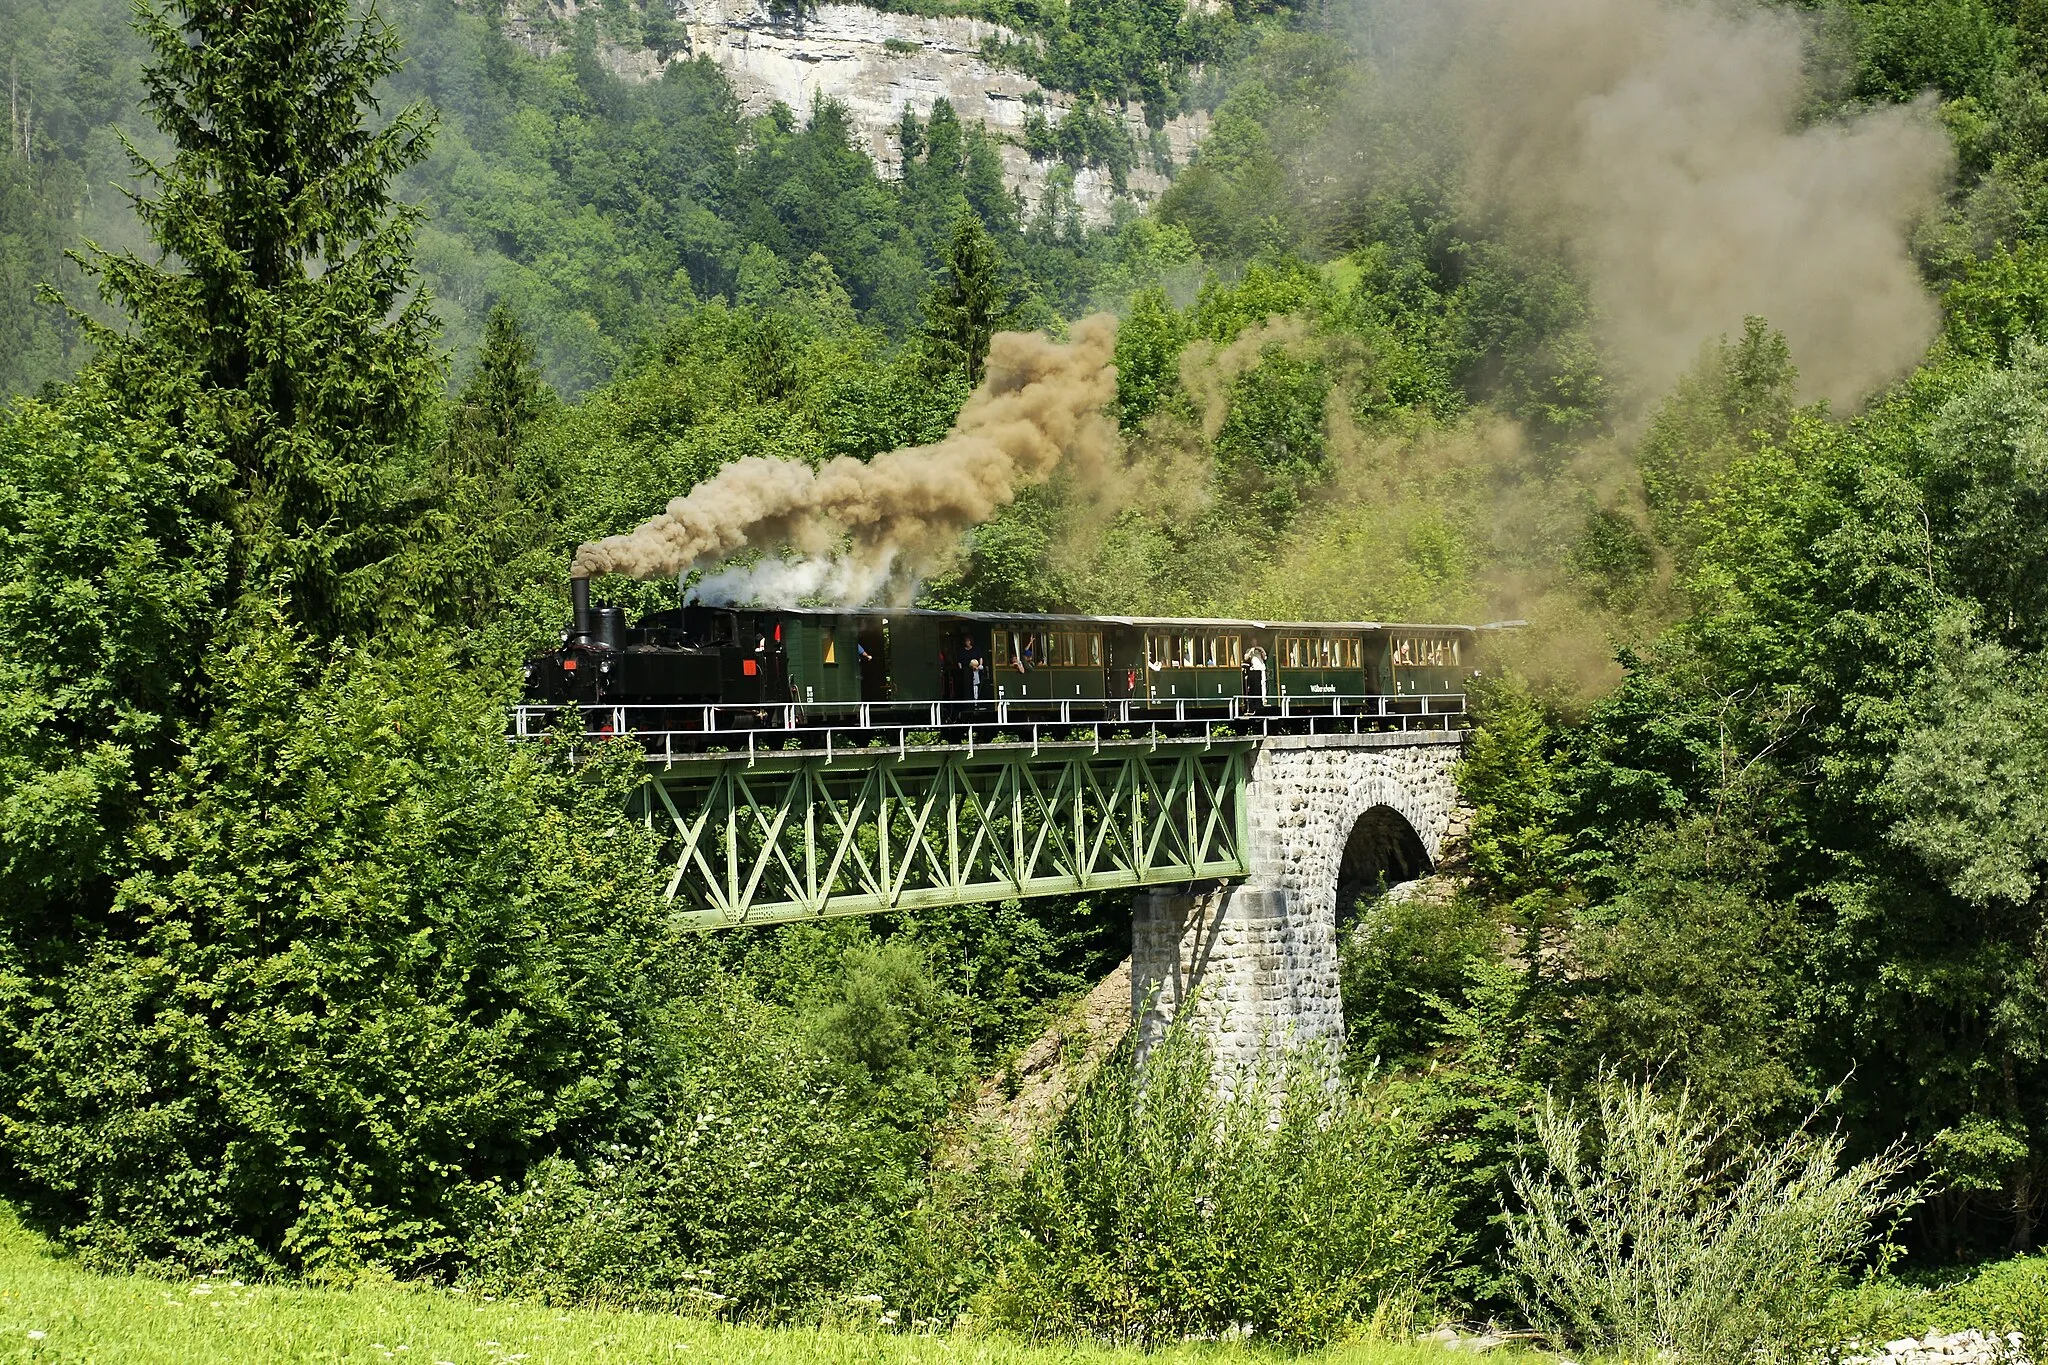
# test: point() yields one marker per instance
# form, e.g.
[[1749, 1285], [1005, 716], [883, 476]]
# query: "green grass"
[[138, 1321]]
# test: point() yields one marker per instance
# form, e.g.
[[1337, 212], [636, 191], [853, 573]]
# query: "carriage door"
[[873, 649]]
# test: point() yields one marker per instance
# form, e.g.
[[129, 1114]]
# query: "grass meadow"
[[53, 1310]]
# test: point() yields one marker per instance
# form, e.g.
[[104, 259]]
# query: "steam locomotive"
[[830, 662]]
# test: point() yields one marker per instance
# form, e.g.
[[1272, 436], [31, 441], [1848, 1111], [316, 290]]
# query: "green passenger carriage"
[[821, 666]]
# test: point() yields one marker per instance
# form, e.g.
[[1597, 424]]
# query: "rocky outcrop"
[[876, 63], [1029, 1095]]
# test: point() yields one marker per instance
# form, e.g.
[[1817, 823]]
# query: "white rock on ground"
[[1960, 1348]]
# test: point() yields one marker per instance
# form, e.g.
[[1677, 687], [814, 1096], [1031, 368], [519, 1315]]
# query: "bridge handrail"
[[972, 724]]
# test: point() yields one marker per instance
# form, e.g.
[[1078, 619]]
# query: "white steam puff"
[[782, 582], [859, 528]]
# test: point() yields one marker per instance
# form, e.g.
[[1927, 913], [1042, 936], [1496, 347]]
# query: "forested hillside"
[[600, 208], [1710, 340]]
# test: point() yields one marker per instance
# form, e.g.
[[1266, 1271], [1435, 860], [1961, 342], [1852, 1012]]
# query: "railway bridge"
[[1240, 832]]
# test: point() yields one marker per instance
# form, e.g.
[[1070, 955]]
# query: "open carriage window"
[[1425, 651], [1018, 649]]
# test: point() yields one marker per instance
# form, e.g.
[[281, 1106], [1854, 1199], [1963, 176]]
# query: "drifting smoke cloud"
[[1659, 139], [862, 527]]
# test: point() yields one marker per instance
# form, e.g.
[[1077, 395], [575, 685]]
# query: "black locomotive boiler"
[[828, 663]]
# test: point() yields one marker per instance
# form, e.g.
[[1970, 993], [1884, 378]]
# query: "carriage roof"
[[1058, 620]]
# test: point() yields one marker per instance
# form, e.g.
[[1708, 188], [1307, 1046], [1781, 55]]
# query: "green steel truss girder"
[[807, 835]]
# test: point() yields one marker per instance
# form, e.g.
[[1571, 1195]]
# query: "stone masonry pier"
[[1331, 817]]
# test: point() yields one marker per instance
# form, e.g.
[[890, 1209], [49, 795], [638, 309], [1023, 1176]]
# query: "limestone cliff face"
[[875, 63]]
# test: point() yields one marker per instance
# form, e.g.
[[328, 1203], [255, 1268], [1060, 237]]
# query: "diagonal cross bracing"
[[809, 835]]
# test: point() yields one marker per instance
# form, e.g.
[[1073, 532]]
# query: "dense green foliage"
[[305, 971], [1159, 1210]]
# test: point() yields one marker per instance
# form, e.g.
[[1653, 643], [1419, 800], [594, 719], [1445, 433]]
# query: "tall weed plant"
[[1646, 1234], [1162, 1209]]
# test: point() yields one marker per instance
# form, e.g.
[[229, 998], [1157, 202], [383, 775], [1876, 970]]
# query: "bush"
[[2005, 1296], [890, 1027], [1661, 1242], [2001, 1297], [366, 958], [1159, 1210], [772, 1185]]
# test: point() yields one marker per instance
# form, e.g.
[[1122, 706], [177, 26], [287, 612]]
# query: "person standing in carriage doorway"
[[1255, 674], [971, 665]]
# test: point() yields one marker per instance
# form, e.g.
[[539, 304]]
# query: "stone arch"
[[1383, 849], [1380, 814], [1319, 810]]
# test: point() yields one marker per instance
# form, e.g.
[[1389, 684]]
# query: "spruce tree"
[[281, 325], [970, 303], [504, 395]]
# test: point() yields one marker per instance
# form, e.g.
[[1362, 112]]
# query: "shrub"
[[366, 958], [2001, 1297], [2005, 1296], [890, 1026], [1649, 1236], [772, 1185], [1160, 1209]]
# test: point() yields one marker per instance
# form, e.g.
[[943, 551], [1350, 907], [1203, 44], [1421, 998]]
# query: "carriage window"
[[1074, 649], [1425, 651], [1296, 651], [1186, 658], [1015, 649]]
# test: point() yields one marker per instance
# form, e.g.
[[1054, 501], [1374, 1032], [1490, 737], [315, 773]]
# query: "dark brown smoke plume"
[[862, 527]]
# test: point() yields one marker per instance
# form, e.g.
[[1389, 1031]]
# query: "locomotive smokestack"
[[579, 600]]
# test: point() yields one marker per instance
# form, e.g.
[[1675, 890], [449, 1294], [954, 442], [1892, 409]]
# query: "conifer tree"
[[505, 393], [970, 304], [281, 325]]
